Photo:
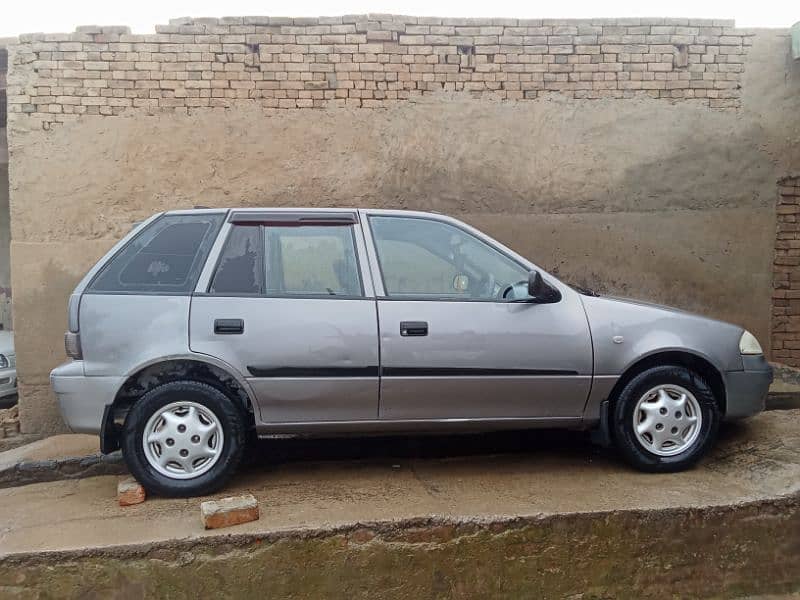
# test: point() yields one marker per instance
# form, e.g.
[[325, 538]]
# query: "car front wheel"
[[665, 419], [183, 438]]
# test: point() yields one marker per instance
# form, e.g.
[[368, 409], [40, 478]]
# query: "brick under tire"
[[208, 400], [634, 449]]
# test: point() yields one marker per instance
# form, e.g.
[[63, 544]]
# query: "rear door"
[[287, 305]]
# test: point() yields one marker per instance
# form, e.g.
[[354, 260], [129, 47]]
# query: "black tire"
[[622, 419], [233, 428]]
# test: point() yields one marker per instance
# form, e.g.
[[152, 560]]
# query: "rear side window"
[[285, 261], [312, 261], [164, 258]]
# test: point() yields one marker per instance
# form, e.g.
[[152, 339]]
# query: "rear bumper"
[[82, 400], [747, 390], [8, 382]]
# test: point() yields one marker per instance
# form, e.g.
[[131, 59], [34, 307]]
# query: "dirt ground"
[[325, 484]]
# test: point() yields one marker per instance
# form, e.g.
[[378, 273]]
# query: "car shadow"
[[420, 446], [571, 446]]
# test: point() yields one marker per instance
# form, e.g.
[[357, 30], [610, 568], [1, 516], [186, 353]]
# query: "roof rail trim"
[[293, 219]]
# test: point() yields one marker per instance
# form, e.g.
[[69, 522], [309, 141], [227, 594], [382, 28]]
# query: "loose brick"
[[234, 510], [129, 492]]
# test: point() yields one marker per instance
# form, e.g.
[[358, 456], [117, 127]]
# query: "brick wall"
[[786, 275], [371, 61]]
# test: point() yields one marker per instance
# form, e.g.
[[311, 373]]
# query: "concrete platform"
[[755, 460], [550, 497]]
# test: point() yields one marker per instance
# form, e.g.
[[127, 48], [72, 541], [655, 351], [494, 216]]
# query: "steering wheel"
[[510, 287]]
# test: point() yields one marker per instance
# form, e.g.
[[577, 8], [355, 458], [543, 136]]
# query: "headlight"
[[748, 344], [3, 361]]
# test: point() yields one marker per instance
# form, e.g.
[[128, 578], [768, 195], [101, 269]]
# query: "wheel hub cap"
[[183, 440], [667, 420]]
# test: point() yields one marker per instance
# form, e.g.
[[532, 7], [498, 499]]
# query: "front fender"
[[625, 332]]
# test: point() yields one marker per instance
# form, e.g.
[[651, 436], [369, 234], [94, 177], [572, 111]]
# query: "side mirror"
[[539, 291]]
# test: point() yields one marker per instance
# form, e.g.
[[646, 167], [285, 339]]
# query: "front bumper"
[[82, 399], [747, 390], [8, 382]]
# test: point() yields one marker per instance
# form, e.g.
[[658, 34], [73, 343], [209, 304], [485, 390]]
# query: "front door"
[[287, 307], [453, 346]]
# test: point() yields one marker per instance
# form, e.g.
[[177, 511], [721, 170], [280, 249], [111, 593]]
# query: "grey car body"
[[8, 367], [367, 360]]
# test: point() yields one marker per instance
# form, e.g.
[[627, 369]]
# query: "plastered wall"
[[667, 197]]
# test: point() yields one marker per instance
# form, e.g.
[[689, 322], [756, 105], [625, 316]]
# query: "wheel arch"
[[683, 357], [156, 372]]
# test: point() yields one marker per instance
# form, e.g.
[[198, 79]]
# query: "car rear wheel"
[[183, 438], [665, 419]]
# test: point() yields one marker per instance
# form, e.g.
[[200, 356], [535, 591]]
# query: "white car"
[[8, 369]]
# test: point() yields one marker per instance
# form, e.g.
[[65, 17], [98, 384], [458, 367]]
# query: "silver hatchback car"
[[203, 326]]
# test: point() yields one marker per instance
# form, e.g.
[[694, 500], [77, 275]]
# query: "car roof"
[[207, 209], [291, 213]]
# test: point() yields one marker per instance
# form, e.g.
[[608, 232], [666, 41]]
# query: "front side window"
[[166, 257], [311, 260], [427, 258]]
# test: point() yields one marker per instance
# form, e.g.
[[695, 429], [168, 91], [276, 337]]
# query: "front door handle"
[[228, 326], [413, 328]]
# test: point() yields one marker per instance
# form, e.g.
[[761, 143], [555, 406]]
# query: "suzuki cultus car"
[[202, 326]]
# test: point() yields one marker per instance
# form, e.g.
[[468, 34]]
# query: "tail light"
[[72, 344]]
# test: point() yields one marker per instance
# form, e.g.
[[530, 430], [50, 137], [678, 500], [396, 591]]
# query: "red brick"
[[130, 491], [227, 512]]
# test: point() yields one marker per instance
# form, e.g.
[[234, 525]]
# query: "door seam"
[[380, 360]]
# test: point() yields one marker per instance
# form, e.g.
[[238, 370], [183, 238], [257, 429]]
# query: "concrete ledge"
[[726, 551], [784, 393], [783, 401], [57, 457], [74, 467]]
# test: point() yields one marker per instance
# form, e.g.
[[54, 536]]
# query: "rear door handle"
[[413, 328], [228, 326]]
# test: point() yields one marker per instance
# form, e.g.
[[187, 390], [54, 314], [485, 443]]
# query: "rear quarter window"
[[166, 257]]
